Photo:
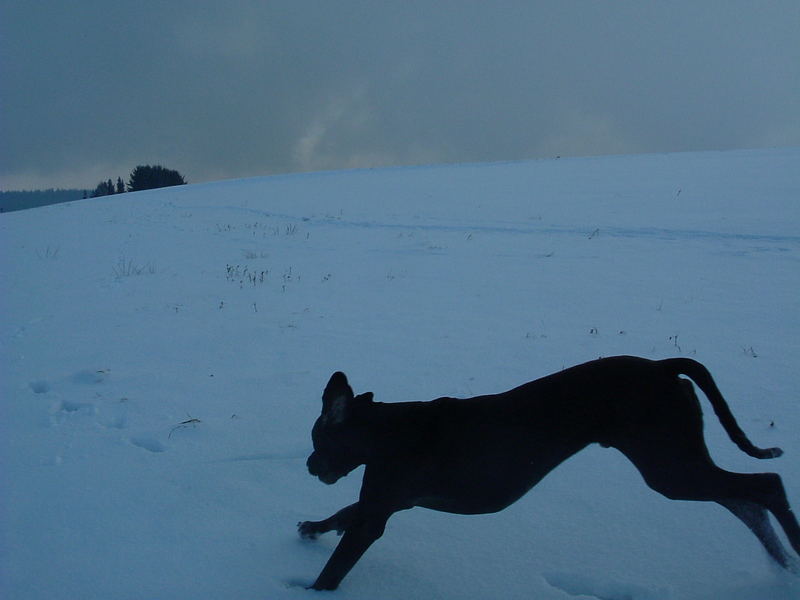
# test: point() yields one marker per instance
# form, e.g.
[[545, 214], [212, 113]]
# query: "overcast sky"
[[90, 89]]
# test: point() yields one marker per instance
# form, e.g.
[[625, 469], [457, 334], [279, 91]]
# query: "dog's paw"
[[308, 530], [323, 586]]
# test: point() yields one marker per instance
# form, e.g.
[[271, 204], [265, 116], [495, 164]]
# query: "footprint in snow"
[[88, 377], [40, 386], [297, 584], [85, 377], [70, 411], [108, 414], [70, 407], [111, 415], [148, 442], [584, 586], [114, 415]]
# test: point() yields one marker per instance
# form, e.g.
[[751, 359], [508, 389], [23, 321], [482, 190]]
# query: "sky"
[[90, 89]]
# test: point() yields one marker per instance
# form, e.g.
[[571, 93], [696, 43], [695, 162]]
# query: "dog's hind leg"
[[339, 522], [757, 520], [765, 490], [684, 471]]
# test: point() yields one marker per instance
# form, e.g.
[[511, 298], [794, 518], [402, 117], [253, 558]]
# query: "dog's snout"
[[319, 467], [313, 465]]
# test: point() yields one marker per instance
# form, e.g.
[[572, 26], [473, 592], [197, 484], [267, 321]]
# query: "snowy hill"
[[164, 353]]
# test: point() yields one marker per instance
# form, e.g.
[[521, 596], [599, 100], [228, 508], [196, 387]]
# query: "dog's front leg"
[[339, 522], [362, 531]]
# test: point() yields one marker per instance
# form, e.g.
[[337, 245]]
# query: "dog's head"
[[339, 444]]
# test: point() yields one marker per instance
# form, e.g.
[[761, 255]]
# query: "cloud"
[[249, 88], [323, 144], [584, 134]]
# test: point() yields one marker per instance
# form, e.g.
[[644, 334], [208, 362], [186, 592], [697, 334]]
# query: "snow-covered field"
[[163, 356]]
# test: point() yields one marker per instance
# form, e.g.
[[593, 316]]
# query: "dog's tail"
[[700, 375]]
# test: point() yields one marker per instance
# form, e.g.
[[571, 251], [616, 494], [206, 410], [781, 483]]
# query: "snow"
[[164, 353]]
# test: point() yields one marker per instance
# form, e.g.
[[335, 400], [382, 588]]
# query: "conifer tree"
[[145, 177]]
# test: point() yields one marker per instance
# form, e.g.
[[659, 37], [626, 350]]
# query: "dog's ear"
[[336, 398], [364, 398]]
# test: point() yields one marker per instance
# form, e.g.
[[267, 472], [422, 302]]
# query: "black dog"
[[480, 454]]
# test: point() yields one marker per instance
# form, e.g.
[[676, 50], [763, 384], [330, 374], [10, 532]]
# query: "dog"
[[481, 454]]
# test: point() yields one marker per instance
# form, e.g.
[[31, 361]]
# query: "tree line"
[[143, 177]]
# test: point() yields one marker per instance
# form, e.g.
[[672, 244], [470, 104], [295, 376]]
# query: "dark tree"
[[145, 177], [104, 188], [120, 185]]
